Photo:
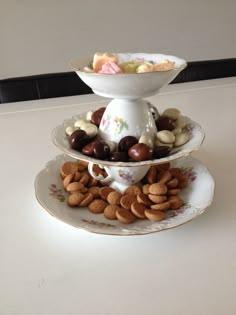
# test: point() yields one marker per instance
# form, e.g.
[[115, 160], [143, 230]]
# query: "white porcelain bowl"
[[128, 85]]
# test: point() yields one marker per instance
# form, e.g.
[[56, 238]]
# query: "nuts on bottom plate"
[[159, 193]]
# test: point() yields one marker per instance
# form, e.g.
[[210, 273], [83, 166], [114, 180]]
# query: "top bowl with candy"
[[127, 75]]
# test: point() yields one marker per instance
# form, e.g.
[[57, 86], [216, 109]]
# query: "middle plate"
[[60, 139]]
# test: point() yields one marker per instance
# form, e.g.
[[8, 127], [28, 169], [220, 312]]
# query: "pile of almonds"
[[159, 192], [83, 137]]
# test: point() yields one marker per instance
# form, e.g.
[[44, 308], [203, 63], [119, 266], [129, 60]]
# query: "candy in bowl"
[[129, 172], [128, 85], [128, 90], [128, 155], [127, 78]]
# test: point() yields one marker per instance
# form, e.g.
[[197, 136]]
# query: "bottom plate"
[[52, 197]]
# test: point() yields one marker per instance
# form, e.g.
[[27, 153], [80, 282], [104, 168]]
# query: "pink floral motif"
[[188, 128], [174, 213], [106, 122], [192, 175], [126, 176], [140, 60], [57, 193]]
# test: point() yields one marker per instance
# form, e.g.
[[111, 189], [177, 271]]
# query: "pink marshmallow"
[[110, 68]]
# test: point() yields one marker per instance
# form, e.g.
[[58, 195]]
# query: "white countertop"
[[48, 267]]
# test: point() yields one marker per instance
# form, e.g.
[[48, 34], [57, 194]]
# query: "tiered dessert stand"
[[128, 114]]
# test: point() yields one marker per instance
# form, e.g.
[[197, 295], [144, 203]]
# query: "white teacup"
[[120, 177], [127, 118]]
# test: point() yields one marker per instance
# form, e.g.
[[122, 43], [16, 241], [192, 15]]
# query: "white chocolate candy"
[[166, 136], [172, 113], [160, 144], [181, 139], [180, 122], [79, 123], [69, 130], [147, 140], [89, 115], [176, 131], [90, 129]]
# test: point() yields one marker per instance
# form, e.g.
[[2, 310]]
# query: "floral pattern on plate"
[[189, 171], [198, 195], [56, 193]]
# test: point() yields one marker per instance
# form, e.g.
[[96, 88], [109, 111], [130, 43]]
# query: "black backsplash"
[[68, 83]]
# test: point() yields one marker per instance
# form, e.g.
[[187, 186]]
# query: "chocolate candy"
[[162, 151], [88, 149], [126, 143], [101, 150], [165, 123], [140, 152], [97, 116], [119, 157], [78, 139]]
